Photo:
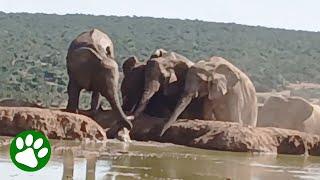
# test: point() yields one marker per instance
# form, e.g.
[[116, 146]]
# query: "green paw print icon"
[[30, 151]]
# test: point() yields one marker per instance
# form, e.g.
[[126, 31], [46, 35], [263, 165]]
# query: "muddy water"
[[137, 160]]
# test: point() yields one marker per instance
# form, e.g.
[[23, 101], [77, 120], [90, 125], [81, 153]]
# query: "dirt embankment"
[[194, 133], [53, 123]]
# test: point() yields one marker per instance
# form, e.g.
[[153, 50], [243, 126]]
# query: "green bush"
[[33, 49]]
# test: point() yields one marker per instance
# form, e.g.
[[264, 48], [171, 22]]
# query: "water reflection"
[[116, 160], [68, 165]]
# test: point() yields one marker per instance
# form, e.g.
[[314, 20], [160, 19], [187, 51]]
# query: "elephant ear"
[[231, 75], [129, 64], [217, 86]]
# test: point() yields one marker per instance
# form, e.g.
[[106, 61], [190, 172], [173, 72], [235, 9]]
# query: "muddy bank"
[[54, 124], [217, 135], [194, 133], [231, 137]]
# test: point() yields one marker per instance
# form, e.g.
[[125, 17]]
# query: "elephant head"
[[205, 79], [133, 83], [162, 69]]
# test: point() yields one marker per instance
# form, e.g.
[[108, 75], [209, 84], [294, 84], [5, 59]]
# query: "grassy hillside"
[[33, 49]]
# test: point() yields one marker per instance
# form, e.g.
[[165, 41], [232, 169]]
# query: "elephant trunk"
[[146, 96], [181, 106], [116, 106]]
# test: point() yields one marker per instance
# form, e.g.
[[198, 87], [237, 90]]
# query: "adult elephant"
[[228, 93], [290, 113], [132, 88], [164, 77], [91, 66]]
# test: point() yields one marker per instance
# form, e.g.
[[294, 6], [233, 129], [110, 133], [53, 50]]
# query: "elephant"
[[163, 79], [91, 66], [132, 88], [132, 83], [290, 113], [228, 93]]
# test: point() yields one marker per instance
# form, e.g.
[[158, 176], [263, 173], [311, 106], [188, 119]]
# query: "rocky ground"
[[194, 133]]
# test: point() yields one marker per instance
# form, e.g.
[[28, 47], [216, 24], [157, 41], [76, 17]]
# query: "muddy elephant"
[[91, 66], [290, 113], [132, 88], [228, 93], [164, 79]]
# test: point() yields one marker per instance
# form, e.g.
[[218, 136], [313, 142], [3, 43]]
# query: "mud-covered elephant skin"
[[91, 66], [164, 78], [290, 113], [228, 93]]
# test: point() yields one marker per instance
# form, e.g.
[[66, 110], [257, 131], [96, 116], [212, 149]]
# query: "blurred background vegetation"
[[33, 49]]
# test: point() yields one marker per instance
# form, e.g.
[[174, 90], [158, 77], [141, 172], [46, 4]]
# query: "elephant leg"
[[95, 101], [73, 93], [235, 110]]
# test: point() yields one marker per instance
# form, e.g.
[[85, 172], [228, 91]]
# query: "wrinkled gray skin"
[[228, 93], [91, 66], [165, 74], [132, 84], [132, 88]]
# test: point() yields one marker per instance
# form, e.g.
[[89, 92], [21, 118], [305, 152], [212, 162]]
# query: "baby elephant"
[[91, 66]]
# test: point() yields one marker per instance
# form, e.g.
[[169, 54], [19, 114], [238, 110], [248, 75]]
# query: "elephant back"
[[284, 112], [96, 40]]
